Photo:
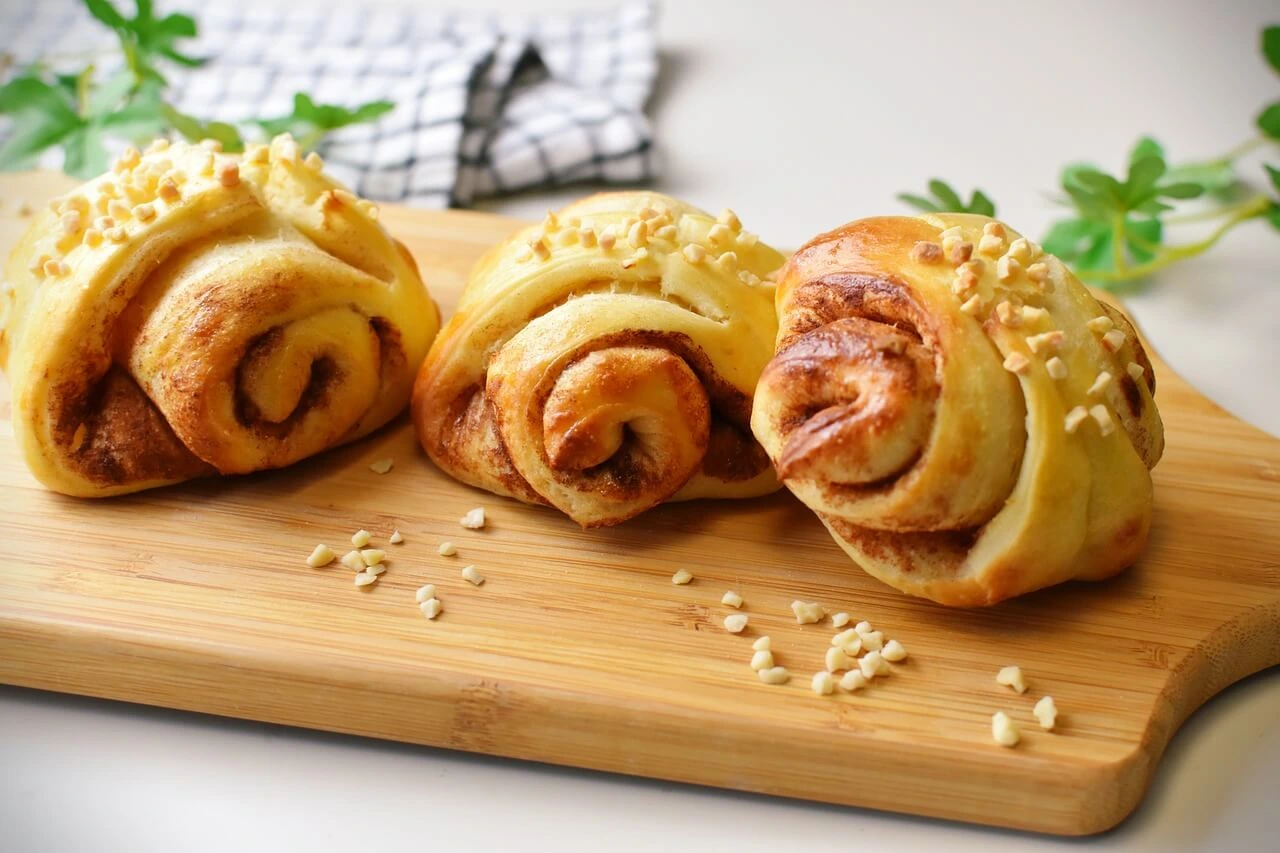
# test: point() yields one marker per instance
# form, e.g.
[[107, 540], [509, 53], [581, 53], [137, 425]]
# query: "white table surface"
[[800, 115]]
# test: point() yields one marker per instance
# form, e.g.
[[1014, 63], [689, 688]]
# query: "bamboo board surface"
[[579, 650]]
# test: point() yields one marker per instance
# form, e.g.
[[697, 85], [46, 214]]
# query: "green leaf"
[[86, 156], [1067, 238], [310, 121], [1105, 186], [980, 203], [1274, 174], [1269, 121], [107, 97], [1213, 178], [1152, 207], [1140, 183], [1180, 190], [1273, 215], [177, 26], [141, 118], [194, 130], [1271, 47], [1145, 236], [105, 12], [946, 196], [918, 202], [43, 115], [1146, 147]]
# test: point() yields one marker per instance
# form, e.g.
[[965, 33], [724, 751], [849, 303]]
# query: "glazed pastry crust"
[[192, 313], [912, 404], [593, 366]]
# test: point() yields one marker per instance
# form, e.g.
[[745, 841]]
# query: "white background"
[[800, 115]]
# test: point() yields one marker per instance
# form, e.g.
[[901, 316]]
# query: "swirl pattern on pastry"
[[604, 361], [192, 312], [967, 420]]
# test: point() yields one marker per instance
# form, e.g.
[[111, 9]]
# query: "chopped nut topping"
[[960, 252], [1011, 676], [210, 144], [118, 210], [228, 174], [735, 623], [370, 210], [824, 684], [872, 664], [994, 229], [728, 261], [1101, 325], [731, 599], [862, 627], [115, 235], [550, 222], [840, 619], [361, 538], [472, 575], [1033, 314], [168, 191], [747, 239], [925, 252], [127, 160], [666, 232], [845, 637], [719, 234], [55, 268], [36, 267], [447, 549], [1020, 250], [973, 306], [775, 675], [1056, 368], [607, 238], [322, 556], [638, 235], [474, 519], [631, 262], [587, 237], [729, 219], [837, 660], [70, 222], [145, 212], [748, 278], [1102, 417], [1046, 341], [376, 569], [1007, 267], [1016, 362], [257, 154], [648, 213], [365, 578], [353, 561], [693, 253], [1074, 418], [1008, 314], [1137, 371], [431, 608], [893, 652], [396, 538], [872, 641], [807, 612], [425, 592], [853, 680], [313, 161], [991, 245], [1038, 272], [965, 282], [1113, 340], [524, 253], [372, 556], [381, 466], [954, 232], [681, 577], [1046, 712], [1100, 384], [286, 148], [1003, 730], [93, 238], [762, 659]]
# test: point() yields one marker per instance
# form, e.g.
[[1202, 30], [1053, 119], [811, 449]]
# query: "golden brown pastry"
[[193, 313], [604, 361], [965, 418]]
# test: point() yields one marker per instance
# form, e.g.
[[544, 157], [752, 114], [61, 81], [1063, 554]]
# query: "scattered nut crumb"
[[472, 575], [862, 627], [807, 612], [1056, 368], [322, 556], [735, 623], [364, 578], [775, 675], [447, 549], [872, 641], [474, 519], [431, 608], [1011, 676], [1003, 730], [395, 538], [381, 466], [361, 538], [731, 599], [872, 664], [853, 680], [893, 652], [762, 644], [681, 577], [1046, 712], [836, 660], [824, 684], [841, 619], [425, 592], [376, 569], [372, 556], [844, 637], [353, 561], [762, 659]]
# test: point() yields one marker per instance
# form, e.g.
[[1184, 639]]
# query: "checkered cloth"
[[484, 106]]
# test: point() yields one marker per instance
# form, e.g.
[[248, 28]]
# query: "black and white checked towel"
[[484, 105]]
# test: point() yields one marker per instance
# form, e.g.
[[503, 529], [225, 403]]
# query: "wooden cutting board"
[[579, 650]]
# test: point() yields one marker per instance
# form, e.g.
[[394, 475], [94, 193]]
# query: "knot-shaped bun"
[[963, 415], [604, 361], [193, 312]]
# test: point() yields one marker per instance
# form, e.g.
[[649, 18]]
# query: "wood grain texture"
[[578, 650]]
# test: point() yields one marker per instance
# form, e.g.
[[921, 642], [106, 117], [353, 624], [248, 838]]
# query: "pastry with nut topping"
[[603, 361], [967, 420], [193, 313]]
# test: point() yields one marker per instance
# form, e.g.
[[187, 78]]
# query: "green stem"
[[1211, 214], [1257, 206], [1119, 243]]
